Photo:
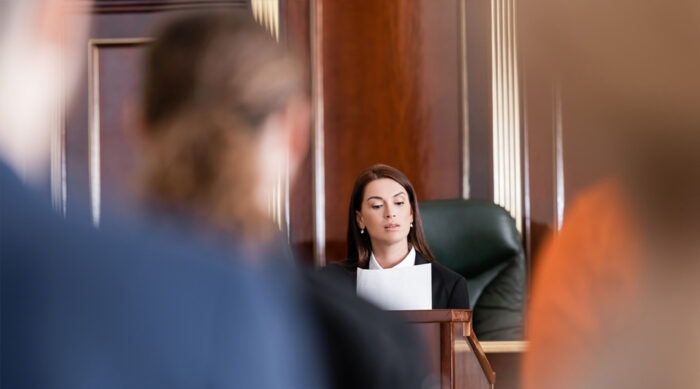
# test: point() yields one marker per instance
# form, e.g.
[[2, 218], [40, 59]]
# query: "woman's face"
[[385, 212]]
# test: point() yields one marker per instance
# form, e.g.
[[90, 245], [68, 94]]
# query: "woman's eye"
[[399, 202], [376, 206]]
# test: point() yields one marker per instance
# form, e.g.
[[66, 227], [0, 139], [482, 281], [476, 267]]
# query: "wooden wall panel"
[[118, 68], [119, 88], [540, 141], [392, 82], [296, 34], [391, 76], [478, 66]]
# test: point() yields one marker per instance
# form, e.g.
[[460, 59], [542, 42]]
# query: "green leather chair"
[[478, 239]]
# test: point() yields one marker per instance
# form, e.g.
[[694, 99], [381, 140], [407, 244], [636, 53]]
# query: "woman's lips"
[[392, 226]]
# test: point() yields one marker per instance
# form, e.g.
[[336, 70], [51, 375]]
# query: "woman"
[[225, 111], [385, 231]]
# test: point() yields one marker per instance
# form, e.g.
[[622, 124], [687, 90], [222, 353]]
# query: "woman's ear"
[[358, 219]]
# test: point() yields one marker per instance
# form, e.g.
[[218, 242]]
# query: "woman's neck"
[[389, 256]]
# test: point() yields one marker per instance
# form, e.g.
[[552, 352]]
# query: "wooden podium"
[[453, 350]]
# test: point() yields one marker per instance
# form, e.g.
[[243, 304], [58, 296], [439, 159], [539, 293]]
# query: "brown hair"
[[211, 81], [359, 245]]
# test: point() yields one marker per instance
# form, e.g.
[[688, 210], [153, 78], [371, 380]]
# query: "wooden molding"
[[122, 6], [439, 315], [94, 156], [513, 346]]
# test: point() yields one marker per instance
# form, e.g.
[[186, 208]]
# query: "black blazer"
[[449, 288]]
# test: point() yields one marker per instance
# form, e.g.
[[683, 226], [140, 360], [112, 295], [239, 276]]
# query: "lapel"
[[434, 278], [420, 260]]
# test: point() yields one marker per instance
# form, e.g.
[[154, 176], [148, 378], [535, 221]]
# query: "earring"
[[411, 225], [362, 231]]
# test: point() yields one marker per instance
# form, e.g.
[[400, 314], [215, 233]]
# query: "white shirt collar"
[[409, 260]]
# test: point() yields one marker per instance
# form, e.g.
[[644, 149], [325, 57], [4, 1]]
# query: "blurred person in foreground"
[[225, 111], [125, 306], [225, 114], [614, 298]]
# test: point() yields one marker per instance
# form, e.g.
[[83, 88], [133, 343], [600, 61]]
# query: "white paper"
[[405, 288]]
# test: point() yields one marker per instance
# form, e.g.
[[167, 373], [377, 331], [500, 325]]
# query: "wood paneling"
[[118, 78], [391, 80], [478, 36], [539, 133], [507, 369], [391, 94], [295, 33], [448, 332], [117, 70], [138, 6]]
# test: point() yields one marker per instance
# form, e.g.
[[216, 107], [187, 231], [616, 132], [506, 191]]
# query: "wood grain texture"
[[472, 369], [439, 315], [508, 369], [462, 362], [391, 81], [447, 361]]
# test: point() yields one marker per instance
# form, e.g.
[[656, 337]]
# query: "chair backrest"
[[478, 239]]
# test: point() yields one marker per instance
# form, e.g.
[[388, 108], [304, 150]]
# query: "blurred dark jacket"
[[127, 307], [365, 346], [360, 346]]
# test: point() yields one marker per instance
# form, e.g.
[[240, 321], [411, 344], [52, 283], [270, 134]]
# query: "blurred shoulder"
[[343, 269]]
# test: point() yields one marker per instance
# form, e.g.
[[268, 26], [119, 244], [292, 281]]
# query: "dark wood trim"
[[454, 324], [439, 315], [131, 6], [480, 355], [478, 24], [447, 358]]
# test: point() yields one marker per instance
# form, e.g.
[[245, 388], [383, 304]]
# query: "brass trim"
[[511, 346], [93, 46]]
